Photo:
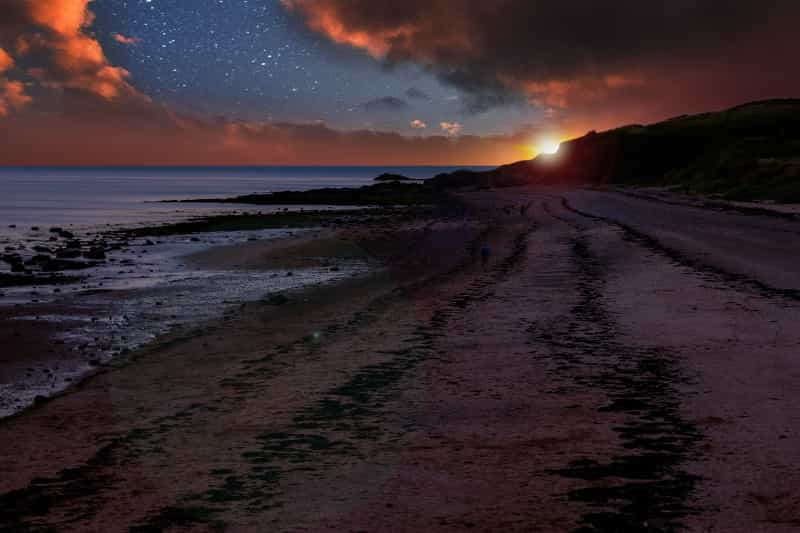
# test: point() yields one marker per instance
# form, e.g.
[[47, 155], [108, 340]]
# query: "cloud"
[[386, 103], [578, 54], [6, 61], [417, 124], [12, 96], [128, 41], [50, 41], [12, 93], [451, 128], [417, 94], [92, 131], [88, 113]]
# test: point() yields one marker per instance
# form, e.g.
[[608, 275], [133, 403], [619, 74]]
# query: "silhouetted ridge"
[[751, 151]]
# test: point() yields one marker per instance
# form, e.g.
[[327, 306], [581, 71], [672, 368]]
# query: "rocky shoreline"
[[77, 302]]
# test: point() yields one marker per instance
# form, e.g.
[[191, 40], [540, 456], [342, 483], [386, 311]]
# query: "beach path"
[[617, 364]]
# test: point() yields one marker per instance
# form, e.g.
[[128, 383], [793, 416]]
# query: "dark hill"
[[749, 152]]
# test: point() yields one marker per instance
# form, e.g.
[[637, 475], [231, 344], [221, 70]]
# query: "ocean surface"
[[90, 198]]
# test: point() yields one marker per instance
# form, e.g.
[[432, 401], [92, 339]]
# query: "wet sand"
[[617, 365]]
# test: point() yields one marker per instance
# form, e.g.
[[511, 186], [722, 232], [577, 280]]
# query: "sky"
[[450, 82]]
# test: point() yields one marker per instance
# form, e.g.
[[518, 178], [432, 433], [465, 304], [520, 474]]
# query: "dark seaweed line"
[[19, 508], [334, 425], [42, 494], [646, 489], [677, 257]]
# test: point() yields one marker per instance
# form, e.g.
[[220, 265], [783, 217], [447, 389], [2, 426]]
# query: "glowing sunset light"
[[547, 146]]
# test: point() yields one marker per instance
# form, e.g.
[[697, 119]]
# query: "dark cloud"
[[386, 103], [576, 53], [417, 94]]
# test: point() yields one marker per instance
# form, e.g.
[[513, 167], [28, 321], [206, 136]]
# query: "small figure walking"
[[485, 253]]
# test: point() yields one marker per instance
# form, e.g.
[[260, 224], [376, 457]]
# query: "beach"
[[610, 366]]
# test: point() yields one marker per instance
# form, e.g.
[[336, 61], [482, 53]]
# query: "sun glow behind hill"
[[545, 146]]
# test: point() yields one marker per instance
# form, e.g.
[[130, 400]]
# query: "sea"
[[97, 197]]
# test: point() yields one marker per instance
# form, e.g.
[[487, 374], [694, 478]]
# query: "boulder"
[[64, 253], [56, 265], [38, 259], [276, 299], [95, 253]]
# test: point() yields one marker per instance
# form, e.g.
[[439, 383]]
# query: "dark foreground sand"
[[619, 365]]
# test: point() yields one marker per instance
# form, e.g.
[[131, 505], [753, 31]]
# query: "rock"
[[392, 177], [148, 242], [63, 253], [53, 239], [194, 239], [56, 265], [56, 230], [34, 228], [73, 244], [66, 234], [289, 274], [277, 299], [11, 258], [335, 269], [42, 249], [95, 253], [39, 399], [12, 226], [37, 259]]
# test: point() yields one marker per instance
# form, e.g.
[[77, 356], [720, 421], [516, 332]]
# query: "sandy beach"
[[618, 364]]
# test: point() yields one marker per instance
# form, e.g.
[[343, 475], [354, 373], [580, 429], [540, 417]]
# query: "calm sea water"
[[94, 197]]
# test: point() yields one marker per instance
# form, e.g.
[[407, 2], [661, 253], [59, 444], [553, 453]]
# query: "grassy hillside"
[[749, 152]]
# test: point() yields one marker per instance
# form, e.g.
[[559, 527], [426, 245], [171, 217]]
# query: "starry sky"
[[254, 60], [372, 82]]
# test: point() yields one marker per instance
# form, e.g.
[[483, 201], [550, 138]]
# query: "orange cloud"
[[12, 93], [128, 41], [12, 96], [451, 128], [325, 19], [52, 38], [65, 17], [579, 90], [6, 61]]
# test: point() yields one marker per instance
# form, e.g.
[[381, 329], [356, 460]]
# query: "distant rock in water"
[[407, 192], [392, 177]]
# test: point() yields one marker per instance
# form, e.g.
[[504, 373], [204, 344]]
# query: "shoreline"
[[82, 327], [320, 239], [494, 395]]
